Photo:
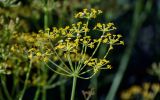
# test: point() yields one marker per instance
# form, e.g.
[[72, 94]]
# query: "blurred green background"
[[133, 64]]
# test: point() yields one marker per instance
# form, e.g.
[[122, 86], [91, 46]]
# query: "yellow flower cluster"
[[37, 56], [69, 46], [88, 14], [97, 64], [12, 55], [105, 27], [147, 92], [155, 70], [75, 57]]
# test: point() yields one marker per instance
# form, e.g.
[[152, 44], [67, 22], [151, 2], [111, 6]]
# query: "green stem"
[[86, 71], [70, 61], [52, 78], [94, 85], [73, 87], [62, 93], [15, 82], [57, 72], [37, 93], [81, 68], [95, 50], [5, 88], [138, 20], [46, 13], [1, 95], [60, 58], [55, 84], [25, 84], [44, 94], [84, 48], [86, 78], [107, 53], [61, 68]]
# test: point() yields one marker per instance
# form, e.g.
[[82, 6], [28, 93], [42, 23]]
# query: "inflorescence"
[[66, 48]]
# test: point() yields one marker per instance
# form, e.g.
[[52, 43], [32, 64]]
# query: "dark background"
[[137, 20]]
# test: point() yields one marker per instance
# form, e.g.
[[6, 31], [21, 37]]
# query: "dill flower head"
[[67, 47]]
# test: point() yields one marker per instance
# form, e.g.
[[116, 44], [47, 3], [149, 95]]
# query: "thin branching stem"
[[37, 93], [84, 48], [86, 78], [61, 60], [107, 53], [5, 88], [26, 80], [44, 94], [86, 71], [59, 66], [57, 71], [92, 53], [55, 84], [52, 78], [70, 61]]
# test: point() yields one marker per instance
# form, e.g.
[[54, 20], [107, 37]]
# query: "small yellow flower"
[[38, 54], [109, 67], [45, 59]]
